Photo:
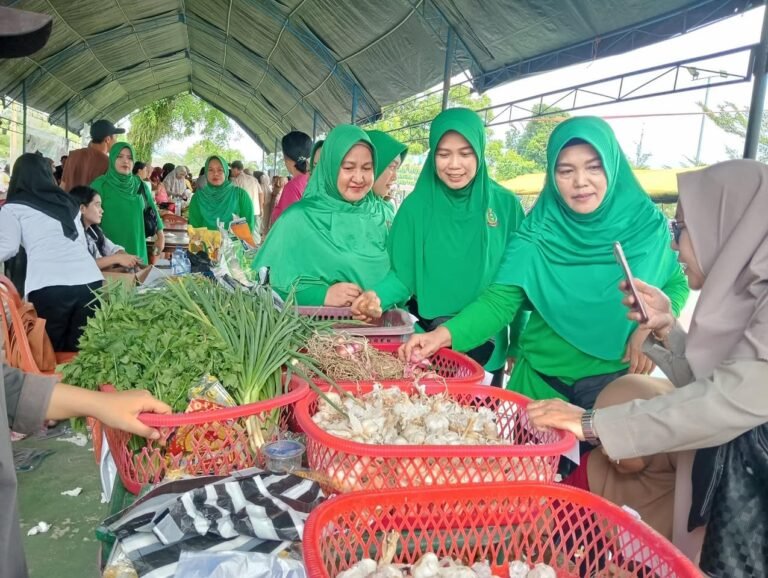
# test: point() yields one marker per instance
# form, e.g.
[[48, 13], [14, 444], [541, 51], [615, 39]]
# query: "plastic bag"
[[237, 565]]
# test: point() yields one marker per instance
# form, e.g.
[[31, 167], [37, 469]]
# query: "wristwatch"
[[588, 427]]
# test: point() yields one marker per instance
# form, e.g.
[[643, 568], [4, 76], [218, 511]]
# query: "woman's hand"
[[121, 409], [556, 414], [657, 305], [423, 345], [639, 362], [342, 295], [160, 242], [367, 307], [126, 260]]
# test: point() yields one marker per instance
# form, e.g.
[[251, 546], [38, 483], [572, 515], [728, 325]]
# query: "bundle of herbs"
[[166, 339], [139, 340]]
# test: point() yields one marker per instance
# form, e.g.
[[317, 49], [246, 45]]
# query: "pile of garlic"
[[429, 566], [390, 416]]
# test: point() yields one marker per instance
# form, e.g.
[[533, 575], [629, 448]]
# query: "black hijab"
[[32, 185]]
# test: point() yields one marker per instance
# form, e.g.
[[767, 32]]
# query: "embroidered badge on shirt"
[[492, 220]]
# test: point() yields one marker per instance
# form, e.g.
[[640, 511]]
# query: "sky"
[[669, 125]]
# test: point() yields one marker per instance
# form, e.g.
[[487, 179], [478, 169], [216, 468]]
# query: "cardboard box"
[[129, 278]]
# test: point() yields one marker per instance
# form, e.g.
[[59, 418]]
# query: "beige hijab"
[[650, 492], [725, 208]]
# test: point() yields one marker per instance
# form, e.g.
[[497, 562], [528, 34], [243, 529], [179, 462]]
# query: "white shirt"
[[251, 186], [52, 258]]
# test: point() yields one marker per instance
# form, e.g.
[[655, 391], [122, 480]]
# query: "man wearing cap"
[[249, 184], [84, 165]]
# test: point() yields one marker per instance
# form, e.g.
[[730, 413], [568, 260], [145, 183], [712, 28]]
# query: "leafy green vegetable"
[[145, 341]]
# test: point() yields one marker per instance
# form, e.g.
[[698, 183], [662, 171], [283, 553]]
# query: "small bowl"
[[283, 455]]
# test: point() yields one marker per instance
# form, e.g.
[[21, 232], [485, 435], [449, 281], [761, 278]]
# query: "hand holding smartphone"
[[621, 259]]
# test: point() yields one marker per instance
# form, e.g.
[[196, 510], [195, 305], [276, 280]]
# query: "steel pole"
[[448, 67], [24, 116], [701, 126], [752, 139], [354, 103], [314, 126], [66, 124]]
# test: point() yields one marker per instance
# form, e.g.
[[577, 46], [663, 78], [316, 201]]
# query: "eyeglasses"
[[676, 229]]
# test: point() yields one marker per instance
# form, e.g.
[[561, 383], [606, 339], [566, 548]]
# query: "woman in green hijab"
[[333, 241], [448, 237], [219, 199], [561, 264], [124, 196], [390, 154]]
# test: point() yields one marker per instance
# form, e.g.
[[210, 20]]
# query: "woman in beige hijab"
[[645, 484], [722, 236]]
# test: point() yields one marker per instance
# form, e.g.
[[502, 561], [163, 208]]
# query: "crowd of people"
[[538, 299]]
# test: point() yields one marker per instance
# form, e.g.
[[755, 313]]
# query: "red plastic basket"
[[394, 326], [577, 533], [213, 442], [451, 366], [533, 456]]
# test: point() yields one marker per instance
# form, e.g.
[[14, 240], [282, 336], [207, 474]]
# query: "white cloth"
[[52, 258], [109, 247], [251, 186]]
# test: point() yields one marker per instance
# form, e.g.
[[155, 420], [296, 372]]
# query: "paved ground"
[[70, 548]]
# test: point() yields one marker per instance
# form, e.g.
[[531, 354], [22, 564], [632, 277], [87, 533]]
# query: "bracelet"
[[588, 427]]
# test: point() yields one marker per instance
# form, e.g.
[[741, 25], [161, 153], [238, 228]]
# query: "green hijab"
[[215, 203], [564, 260], [115, 182], [324, 239], [121, 199], [446, 244], [387, 150]]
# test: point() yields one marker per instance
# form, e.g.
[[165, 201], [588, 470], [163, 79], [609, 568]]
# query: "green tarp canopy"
[[276, 65]]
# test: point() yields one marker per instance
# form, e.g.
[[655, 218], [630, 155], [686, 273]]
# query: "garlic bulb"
[[428, 566], [542, 571], [518, 569]]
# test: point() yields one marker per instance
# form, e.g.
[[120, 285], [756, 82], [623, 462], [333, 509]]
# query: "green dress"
[[446, 245], [124, 198], [324, 239], [387, 150], [212, 204], [561, 265]]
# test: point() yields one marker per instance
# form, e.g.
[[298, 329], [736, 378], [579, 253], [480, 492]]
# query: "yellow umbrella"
[[660, 184]]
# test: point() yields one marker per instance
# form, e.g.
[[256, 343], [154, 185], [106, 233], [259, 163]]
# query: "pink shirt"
[[292, 192]]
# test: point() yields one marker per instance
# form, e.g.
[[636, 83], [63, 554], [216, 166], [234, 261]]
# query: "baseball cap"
[[22, 33], [236, 165], [101, 129]]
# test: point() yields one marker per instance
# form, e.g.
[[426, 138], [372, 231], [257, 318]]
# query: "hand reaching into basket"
[[556, 414], [342, 294], [119, 409], [422, 346], [367, 307]]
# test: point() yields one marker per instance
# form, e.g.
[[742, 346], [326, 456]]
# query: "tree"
[[176, 117], [409, 120], [641, 158], [531, 144], [196, 155], [733, 120]]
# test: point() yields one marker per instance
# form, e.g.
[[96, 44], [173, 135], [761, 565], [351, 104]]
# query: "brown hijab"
[[725, 208], [650, 492]]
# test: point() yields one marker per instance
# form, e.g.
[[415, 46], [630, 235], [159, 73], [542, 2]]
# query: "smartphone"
[[622, 261]]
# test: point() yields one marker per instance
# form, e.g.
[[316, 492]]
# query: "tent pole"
[[274, 167], [24, 116], [448, 67], [314, 126], [752, 139], [354, 103], [66, 123]]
